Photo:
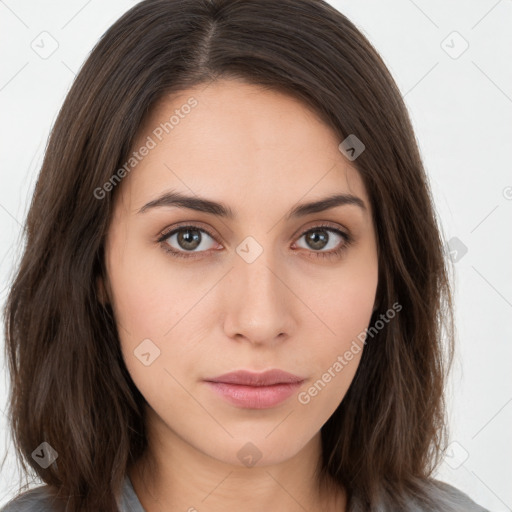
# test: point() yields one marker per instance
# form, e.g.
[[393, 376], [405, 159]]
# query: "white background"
[[461, 110]]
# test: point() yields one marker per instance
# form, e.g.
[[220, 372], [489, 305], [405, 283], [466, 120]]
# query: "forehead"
[[240, 143]]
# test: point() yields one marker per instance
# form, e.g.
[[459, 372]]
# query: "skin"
[[261, 153]]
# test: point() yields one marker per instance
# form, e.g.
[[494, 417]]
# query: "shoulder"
[[428, 496], [41, 499], [453, 499], [38, 499]]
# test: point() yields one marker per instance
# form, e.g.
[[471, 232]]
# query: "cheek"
[[335, 357], [155, 307], [345, 308], [146, 293], [345, 303]]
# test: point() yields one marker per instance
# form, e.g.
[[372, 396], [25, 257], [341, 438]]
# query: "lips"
[[247, 378], [249, 390]]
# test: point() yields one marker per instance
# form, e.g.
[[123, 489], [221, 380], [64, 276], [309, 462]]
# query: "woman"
[[233, 292]]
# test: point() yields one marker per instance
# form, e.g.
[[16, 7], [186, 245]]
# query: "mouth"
[[250, 390]]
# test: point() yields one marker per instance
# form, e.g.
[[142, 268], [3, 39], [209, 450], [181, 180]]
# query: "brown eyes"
[[192, 241]]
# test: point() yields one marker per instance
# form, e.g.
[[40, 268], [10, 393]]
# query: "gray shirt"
[[38, 499], [446, 499]]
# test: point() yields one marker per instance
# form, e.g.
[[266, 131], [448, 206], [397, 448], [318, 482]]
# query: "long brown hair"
[[69, 384]]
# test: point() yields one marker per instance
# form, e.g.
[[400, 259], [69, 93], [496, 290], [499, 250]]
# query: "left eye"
[[318, 238], [190, 240]]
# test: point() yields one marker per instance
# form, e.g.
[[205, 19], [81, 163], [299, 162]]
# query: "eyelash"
[[317, 254]]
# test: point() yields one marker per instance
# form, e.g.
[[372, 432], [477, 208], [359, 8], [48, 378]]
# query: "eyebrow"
[[199, 204]]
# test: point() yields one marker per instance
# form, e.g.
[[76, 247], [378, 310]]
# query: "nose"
[[260, 306]]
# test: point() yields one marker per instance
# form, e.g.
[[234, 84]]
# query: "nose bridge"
[[256, 274], [259, 305], [258, 279]]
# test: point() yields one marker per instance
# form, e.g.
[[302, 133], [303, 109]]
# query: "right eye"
[[184, 241]]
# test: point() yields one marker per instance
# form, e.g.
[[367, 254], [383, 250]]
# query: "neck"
[[173, 475]]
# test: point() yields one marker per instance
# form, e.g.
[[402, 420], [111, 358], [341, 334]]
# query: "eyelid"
[[166, 233], [321, 224], [329, 226], [343, 232]]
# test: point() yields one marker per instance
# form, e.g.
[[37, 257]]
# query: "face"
[[197, 294]]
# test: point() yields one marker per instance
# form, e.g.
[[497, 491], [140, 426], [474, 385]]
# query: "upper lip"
[[266, 378]]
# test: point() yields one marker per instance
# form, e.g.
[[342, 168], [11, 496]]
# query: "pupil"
[[189, 242], [317, 242]]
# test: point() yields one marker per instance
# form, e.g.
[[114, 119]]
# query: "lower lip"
[[255, 397]]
